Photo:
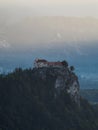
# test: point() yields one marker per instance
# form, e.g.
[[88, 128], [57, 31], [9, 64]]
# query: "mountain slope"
[[29, 100]]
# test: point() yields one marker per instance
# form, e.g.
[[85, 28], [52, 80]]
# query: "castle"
[[39, 63]]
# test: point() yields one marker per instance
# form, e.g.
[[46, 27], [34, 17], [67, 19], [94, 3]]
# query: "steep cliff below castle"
[[64, 80], [44, 99]]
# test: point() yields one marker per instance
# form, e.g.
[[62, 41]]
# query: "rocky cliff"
[[64, 80], [44, 99]]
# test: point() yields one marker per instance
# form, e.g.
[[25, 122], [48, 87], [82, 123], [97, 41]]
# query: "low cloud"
[[59, 35], [4, 44]]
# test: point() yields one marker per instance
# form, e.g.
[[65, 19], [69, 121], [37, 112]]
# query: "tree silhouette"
[[64, 63], [72, 68]]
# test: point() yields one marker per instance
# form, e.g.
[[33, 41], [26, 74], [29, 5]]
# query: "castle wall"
[[43, 63]]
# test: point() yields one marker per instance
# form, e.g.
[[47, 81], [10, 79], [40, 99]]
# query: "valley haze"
[[53, 38]]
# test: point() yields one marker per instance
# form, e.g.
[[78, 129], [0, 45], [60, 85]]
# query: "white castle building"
[[39, 63]]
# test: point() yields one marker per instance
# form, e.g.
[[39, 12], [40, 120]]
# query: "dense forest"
[[28, 102]]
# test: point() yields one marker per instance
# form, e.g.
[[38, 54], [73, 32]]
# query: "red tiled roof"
[[49, 63], [55, 63]]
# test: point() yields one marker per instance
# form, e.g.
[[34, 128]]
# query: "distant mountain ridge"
[[50, 31]]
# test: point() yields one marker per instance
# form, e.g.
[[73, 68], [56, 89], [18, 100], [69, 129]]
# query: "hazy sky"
[[17, 25], [49, 7]]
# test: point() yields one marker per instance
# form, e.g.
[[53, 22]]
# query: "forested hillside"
[[28, 102]]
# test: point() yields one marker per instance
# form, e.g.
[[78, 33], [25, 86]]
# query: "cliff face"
[[64, 80], [43, 99]]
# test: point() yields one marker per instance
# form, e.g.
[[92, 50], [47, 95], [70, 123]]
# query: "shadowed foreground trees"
[[27, 102]]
